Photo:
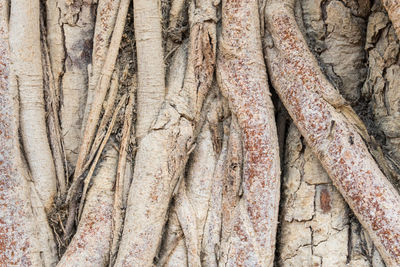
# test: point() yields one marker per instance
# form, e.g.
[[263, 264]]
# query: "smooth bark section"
[[163, 152], [150, 61], [330, 128], [393, 9], [25, 237], [243, 80], [27, 66], [91, 244]]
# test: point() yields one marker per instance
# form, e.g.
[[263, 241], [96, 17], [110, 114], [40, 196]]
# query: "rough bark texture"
[[200, 187], [317, 227], [381, 87], [329, 126], [243, 80]]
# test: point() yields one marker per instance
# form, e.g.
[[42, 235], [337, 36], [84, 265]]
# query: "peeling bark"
[[393, 10], [329, 126], [243, 80], [381, 85]]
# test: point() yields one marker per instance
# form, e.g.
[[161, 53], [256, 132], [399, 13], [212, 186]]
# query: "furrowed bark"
[[94, 114], [78, 25], [150, 61], [316, 225], [91, 244], [393, 9], [243, 80], [107, 11], [329, 127], [231, 190], [382, 83], [157, 168], [52, 108], [27, 66], [25, 236], [100, 94]]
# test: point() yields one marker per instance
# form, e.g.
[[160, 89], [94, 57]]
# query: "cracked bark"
[[331, 131], [317, 228]]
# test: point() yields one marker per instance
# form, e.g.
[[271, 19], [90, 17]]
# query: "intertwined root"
[[332, 130]]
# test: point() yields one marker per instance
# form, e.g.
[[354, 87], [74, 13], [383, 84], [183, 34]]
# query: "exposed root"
[[242, 78], [332, 130]]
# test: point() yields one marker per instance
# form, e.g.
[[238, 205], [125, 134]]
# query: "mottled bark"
[[329, 126], [242, 77], [317, 228], [25, 236]]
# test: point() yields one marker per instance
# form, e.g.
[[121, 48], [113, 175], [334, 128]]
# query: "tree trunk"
[[199, 133]]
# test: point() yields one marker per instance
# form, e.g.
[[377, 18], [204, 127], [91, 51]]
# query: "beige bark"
[[95, 110], [393, 10], [107, 11], [192, 201], [91, 243], [381, 85], [329, 126], [158, 167], [150, 57], [25, 236], [78, 20], [27, 67], [213, 224], [242, 77], [316, 229]]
